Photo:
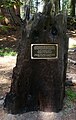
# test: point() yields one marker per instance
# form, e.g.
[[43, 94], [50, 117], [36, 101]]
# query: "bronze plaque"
[[44, 51]]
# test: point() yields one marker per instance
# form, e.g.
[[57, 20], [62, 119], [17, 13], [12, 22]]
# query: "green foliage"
[[10, 3], [7, 52], [4, 28], [32, 6], [1, 18], [65, 6], [70, 94]]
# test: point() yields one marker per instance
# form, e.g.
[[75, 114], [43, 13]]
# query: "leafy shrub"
[[7, 52], [70, 94]]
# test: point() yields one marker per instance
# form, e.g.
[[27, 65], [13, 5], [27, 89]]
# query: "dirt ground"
[[6, 69]]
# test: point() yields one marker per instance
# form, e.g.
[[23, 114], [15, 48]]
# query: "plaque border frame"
[[45, 57]]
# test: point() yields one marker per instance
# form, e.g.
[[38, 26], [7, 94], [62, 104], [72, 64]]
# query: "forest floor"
[[6, 68]]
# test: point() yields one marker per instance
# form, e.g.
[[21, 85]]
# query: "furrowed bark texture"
[[39, 84]]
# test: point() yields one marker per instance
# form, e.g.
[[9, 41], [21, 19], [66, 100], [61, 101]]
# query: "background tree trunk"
[[39, 84], [57, 6], [73, 7]]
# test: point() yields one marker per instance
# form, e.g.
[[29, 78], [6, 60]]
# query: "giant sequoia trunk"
[[39, 84]]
